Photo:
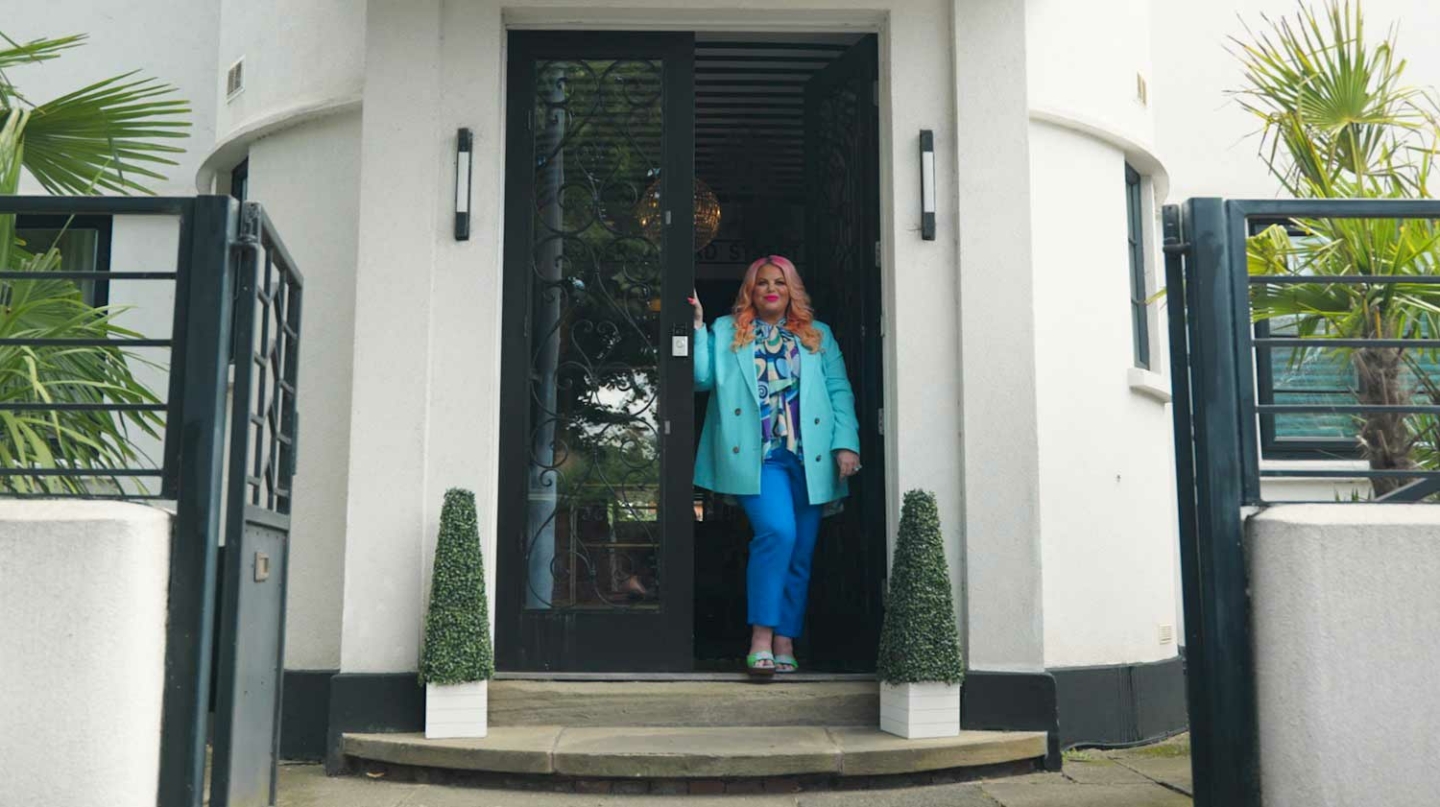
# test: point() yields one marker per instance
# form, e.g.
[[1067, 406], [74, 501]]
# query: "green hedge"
[[457, 626], [918, 642]]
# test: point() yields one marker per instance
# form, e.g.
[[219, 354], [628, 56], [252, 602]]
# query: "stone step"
[[696, 704], [654, 752]]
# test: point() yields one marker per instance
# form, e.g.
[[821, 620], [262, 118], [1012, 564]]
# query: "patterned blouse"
[[777, 364]]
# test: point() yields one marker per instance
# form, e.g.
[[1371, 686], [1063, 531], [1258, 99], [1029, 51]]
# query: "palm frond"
[[34, 51], [105, 135]]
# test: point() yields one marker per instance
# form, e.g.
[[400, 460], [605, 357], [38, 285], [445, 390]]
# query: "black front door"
[[842, 211], [595, 561]]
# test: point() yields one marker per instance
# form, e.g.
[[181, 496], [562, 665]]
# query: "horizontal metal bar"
[[87, 473], [1329, 280], [718, 102], [733, 57], [718, 45], [85, 342], [1337, 473], [88, 275], [81, 407], [796, 82], [97, 205], [1338, 208], [1355, 409], [1322, 342], [1413, 492], [265, 517], [718, 70]]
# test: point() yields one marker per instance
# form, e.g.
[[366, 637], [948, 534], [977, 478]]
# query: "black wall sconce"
[[464, 152], [927, 184]]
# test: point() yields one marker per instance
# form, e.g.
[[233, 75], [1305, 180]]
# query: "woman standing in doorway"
[[781, 436]]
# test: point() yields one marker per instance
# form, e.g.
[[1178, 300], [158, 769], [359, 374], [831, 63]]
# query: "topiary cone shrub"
[[457, 659], [919, 662]]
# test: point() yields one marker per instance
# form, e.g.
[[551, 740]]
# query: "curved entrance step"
[[653, 752], [686, 703]]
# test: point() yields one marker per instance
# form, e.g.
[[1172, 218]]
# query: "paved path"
[[1152, 776]]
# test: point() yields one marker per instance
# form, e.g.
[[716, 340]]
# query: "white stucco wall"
[[1345, 613], [420, 86], [297, 56], [83, 589], [999, 475], [1108, 528], [1083, 59], [1106, 472], [308, 178]]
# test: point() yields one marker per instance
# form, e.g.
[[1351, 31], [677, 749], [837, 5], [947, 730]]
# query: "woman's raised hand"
[[699, 309]]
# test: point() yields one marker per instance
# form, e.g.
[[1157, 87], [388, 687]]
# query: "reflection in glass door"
[[594, 561], [592, 540]]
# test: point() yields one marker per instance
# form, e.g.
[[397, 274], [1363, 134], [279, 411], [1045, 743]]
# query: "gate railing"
[[217, 239], [1214, 347]]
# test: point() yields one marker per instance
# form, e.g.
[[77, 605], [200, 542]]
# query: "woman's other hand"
[[848, 462], [699, 309]]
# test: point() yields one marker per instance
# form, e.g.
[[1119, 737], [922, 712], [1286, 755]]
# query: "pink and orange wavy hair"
[[799, 317]]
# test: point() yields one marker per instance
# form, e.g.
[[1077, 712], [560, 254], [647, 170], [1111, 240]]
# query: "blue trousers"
[[785, 525]]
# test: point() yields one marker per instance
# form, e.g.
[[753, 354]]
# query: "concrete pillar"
[[399, 227], [83, 591], [997, 338]]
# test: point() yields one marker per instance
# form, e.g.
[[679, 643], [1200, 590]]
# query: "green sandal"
[[755, 658], [788, 661]]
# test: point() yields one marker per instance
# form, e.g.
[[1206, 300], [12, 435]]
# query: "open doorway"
[[786, 130], [609, 560]]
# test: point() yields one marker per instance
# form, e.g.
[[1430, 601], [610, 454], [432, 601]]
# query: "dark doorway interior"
[[611, 561], [786, 136]]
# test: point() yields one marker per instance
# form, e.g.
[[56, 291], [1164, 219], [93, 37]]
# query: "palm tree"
[[104, 136], [1339, 123]]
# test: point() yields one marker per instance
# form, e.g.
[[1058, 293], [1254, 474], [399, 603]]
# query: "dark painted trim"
[[305, 714], [372, 702], [1012, 701], [1121, 704]]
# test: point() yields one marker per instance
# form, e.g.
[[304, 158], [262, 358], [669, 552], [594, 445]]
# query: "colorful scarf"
[[777, 364]]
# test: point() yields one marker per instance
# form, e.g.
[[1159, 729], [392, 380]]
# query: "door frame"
[[575, 640]]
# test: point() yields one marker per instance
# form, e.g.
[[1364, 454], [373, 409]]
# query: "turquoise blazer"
[[728, 459]]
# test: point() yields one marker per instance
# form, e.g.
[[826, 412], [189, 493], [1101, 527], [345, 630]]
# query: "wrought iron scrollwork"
[[592, 537]]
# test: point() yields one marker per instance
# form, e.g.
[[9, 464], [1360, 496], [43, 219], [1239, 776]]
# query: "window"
[[240, 180], [239, 190], [84, 244], [1139, 310]]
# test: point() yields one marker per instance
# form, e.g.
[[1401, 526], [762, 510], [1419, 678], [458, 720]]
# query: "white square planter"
[[914, 711], [457, 710]]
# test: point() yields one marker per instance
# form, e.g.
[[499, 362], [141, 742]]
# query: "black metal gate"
[[1216, 350], [261, 465], [236, 301]]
